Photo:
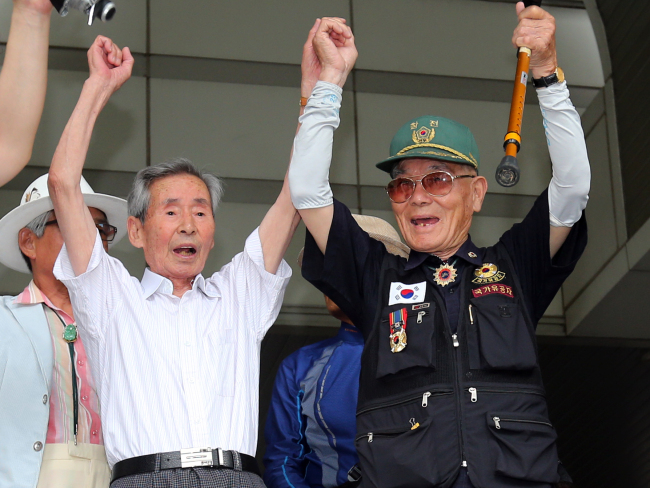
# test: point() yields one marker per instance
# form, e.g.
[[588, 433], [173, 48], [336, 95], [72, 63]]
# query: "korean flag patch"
[[402, 293]]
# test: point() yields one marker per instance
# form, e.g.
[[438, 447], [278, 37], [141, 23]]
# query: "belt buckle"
[[198, 456], [354, 474]]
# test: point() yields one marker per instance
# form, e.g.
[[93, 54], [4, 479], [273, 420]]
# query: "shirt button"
[[451, 290], [188, 343], [94, 432], [38, 445], [84, 398], [80, 362], [44, 399]]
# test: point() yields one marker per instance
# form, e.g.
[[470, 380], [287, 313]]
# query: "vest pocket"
[[393, 458], [524, 446], [498, 335], [420, 341]]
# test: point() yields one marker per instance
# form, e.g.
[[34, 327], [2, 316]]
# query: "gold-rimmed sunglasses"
[[436, 184]]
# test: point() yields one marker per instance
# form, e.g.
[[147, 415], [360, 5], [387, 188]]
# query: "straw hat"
[[36, 201], [379, 230]]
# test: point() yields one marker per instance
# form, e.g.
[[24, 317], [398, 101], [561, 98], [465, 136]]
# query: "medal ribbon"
[[397, 317]]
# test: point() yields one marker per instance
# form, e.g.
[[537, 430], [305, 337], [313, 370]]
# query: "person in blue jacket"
[[311, 424]]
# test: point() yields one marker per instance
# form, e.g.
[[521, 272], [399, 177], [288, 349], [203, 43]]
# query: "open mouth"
[[423, 222], [185, 251]]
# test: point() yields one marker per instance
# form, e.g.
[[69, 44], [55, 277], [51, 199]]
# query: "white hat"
[[36, 201]]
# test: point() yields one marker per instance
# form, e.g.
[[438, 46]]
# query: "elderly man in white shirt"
[[176, 355]]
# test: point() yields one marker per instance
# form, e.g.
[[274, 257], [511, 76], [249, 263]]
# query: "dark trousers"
[[463, 480]]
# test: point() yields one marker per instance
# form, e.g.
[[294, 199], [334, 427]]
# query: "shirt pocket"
[[222, 360], [420, 341], [499, 338]]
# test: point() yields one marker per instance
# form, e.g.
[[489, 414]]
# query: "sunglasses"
[[436, 184], [106, 231]]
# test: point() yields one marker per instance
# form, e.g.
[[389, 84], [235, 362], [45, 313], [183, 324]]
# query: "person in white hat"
[[23, 82], [50, 430]]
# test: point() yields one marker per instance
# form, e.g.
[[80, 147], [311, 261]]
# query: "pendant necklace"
[[70, 336]]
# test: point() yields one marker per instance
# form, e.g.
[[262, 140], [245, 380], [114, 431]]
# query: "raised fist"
[[331, 53], [109, 64], [536, 31]]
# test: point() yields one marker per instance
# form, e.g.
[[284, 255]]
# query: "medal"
[[397, 321], [488, 273], [444, 274], [70, 333]]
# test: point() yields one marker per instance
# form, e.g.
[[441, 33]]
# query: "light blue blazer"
[[26, 364]]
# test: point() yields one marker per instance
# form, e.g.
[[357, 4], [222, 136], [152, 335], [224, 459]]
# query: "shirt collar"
[[153, 282], [32, 295], [468, 252]]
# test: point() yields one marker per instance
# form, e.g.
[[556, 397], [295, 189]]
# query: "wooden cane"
[[508, 170]]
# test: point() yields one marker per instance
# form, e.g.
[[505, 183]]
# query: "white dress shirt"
[[175, 373]]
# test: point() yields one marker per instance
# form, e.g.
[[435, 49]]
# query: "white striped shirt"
[[172, 372]]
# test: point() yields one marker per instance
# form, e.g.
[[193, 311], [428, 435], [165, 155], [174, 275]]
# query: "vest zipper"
[[425, 401], [498, 420], [371, 435], [473, 392], [458, 373]]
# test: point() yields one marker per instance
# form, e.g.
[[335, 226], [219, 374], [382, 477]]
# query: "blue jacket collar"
[[349, 333]]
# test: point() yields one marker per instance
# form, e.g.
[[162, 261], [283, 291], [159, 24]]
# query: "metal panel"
[[626, 26]]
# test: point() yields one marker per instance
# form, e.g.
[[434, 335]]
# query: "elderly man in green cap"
[[450, 389]]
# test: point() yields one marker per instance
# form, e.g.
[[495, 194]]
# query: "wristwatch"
[[556, 77]]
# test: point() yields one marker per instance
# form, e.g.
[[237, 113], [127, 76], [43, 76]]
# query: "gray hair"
[[37, 226], [139, 198]]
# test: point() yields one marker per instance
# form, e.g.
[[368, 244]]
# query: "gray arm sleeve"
[[312, 148], [568, 190]]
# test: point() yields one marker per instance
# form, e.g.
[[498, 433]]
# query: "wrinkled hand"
[[536, 30], [334, 49], [109, 65], [310, 65], [42, 7]]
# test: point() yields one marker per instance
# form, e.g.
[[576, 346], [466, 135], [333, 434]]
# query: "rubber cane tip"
[[508, 172]]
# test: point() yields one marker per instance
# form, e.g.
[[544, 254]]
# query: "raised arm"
[[568, 190], [109, 69], [281, 221], [23, 82], [334, 52]]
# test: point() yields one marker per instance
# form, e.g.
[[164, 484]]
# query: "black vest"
[[475, 398]]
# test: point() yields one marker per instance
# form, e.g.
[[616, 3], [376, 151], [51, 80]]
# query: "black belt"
[[186, 458]]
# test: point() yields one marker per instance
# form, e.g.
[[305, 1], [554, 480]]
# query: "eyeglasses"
[[436, 184], [106, 231]]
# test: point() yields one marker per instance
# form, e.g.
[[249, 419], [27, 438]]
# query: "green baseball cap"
[[432, 137]]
